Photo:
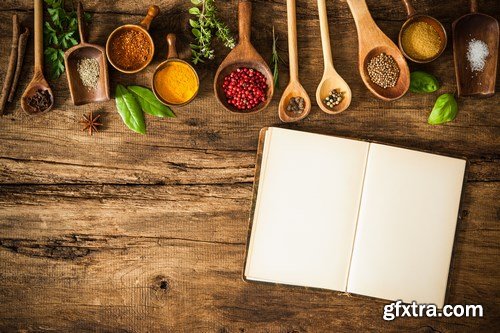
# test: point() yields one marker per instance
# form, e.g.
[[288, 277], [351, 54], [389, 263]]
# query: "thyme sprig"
[[205, 27]]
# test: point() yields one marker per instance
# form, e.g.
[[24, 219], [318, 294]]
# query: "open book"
[[353, 216]]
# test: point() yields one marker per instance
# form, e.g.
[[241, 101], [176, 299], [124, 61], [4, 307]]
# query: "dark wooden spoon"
[[243, 55], [480, 27], [38, 83], [79, 93]]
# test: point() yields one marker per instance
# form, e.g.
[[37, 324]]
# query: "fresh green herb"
[[149, 103], [205, 27], [422, 82], [60, 32], [130, 110], [445, 109], [275, 59]]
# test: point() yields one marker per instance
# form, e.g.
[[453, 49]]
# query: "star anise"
[[91, 123]]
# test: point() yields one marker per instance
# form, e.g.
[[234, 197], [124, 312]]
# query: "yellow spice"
[[421, 41], [176, 83]]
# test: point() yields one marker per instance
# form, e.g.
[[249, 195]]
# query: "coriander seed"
[[383, 71]]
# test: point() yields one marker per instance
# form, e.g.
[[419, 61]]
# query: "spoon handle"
[[38, 36], [293, 53], [409, 8], [325, 34], [473, 6], [81, 22], [172, 50], [245, 20]]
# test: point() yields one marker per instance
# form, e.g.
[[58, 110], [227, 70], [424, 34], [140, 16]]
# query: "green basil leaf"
[[130, 110], [422, 82], [149, 103], [445, 109]]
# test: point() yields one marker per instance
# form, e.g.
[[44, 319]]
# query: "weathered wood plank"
[[146, 258]]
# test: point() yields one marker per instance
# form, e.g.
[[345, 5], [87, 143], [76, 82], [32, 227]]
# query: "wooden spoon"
[[243, 55], [372, 41], [480, 27], [81, 94], [38, 83], [294, 88], [413, 17], [331, 79]]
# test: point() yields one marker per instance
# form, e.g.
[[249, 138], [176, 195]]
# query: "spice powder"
[[176, 83], [130, 49], [421, 41]]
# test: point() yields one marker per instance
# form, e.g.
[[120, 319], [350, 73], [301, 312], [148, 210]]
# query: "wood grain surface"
[[127, 233]]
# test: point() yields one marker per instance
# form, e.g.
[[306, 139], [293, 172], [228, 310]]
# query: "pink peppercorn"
[[245, 88]]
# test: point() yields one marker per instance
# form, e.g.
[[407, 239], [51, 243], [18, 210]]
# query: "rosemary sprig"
[[275, 60], [205, 27]]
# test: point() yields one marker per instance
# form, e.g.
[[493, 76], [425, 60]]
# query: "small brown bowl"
[[173, 57], [413, 17], [143, 27]]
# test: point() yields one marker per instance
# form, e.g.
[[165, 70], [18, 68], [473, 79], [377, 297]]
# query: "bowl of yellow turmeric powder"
[[175, 82], [422, 38]]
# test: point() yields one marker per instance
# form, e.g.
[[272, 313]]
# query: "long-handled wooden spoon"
[[294, 88], [38, 84], [243, 55], [331, 79], [372, 42]]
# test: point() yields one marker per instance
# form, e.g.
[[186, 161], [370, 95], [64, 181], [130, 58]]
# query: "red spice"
[[130, 49], [245, 88]]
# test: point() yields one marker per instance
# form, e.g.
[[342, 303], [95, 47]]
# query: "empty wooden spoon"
[[372, 42], [481, 27], [294, 88], [331, 79], [81, 94], [243, 55], [38, 87]]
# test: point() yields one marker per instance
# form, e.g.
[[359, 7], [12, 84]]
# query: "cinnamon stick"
[[21, 49], [12, 63]]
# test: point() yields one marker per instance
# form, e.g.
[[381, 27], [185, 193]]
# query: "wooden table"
[[120, 232]]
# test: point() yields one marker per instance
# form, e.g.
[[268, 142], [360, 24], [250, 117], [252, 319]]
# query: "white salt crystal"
[[477, 51]]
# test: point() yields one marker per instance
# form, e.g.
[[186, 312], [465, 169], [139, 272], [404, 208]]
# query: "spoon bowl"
[[372, 41], [38, 82], [243, 55], [329, 82], [403, 82], [294, 89]]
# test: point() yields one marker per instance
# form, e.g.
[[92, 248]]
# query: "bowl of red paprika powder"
[[130, 47]]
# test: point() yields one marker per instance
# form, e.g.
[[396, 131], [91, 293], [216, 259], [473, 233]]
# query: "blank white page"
[[306, 209], [406, 226]]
